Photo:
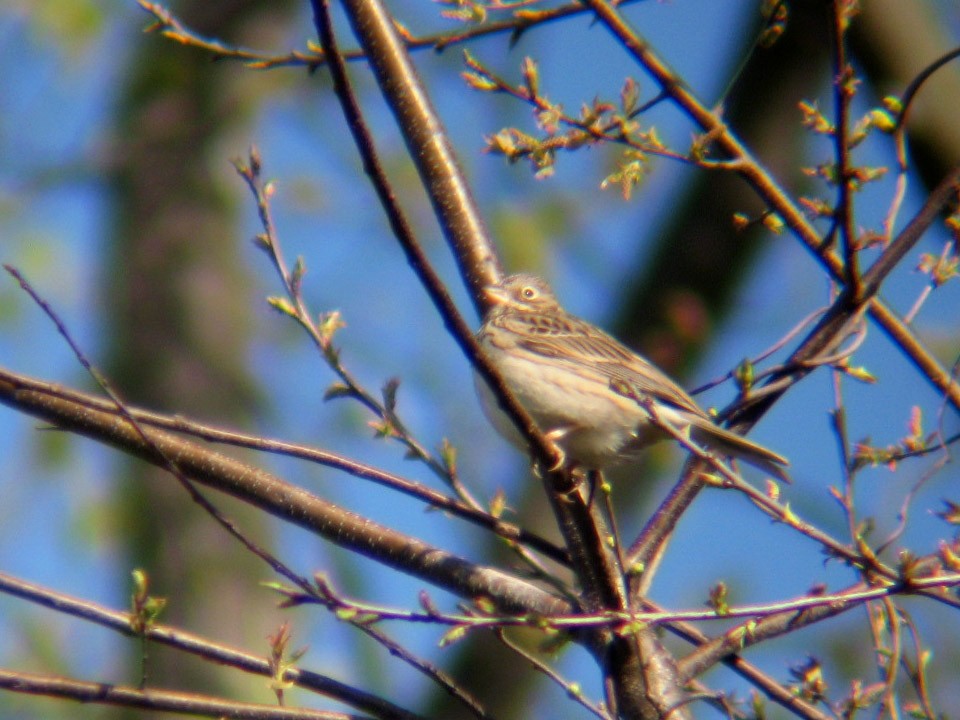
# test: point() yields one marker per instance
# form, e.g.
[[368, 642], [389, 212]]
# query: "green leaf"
[[281, 305], [453, 635]]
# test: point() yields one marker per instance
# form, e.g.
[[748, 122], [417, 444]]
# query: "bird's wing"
[[571, 340]]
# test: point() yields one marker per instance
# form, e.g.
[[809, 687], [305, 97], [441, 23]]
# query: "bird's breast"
[[594, 426]]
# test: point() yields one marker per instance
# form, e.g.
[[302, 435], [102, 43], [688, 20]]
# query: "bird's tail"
[[729, 443]]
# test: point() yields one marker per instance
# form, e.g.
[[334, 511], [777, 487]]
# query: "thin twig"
[[322, 336], [284, 500], [581, 525], [843, 86], [510, 532], [104, 693], [427, 142], [313, 58], [166, 459], [199, 646], [157, 448], [774, 196], [572, 690]]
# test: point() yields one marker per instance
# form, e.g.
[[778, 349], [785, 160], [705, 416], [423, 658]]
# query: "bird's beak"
[[496, 295]]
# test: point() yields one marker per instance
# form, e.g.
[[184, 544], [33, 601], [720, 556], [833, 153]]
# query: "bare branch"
[[428, 143], [282, 500], [199, 646], [776, 198], [158, 700]]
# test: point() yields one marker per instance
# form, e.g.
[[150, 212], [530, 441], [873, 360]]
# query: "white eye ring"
[[528, 292]]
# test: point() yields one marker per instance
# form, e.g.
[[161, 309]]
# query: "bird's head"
[[522, 293]]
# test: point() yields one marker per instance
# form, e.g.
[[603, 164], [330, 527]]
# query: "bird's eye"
[[529, 292]]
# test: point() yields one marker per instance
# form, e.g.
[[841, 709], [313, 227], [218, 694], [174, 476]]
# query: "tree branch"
[[201, 647], [158, 700], [429, 145], [773, 195], [281, 499]]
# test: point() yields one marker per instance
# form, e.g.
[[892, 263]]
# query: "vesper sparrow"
[[587, 390]]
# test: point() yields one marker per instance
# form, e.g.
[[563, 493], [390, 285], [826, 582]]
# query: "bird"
[[591, 395]]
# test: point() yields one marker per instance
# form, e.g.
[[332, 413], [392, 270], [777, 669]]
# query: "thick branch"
[[281, 499], [423, 493], [647, 684], [429, 145]]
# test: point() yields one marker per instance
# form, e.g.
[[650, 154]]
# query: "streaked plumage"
[[585, 388]]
